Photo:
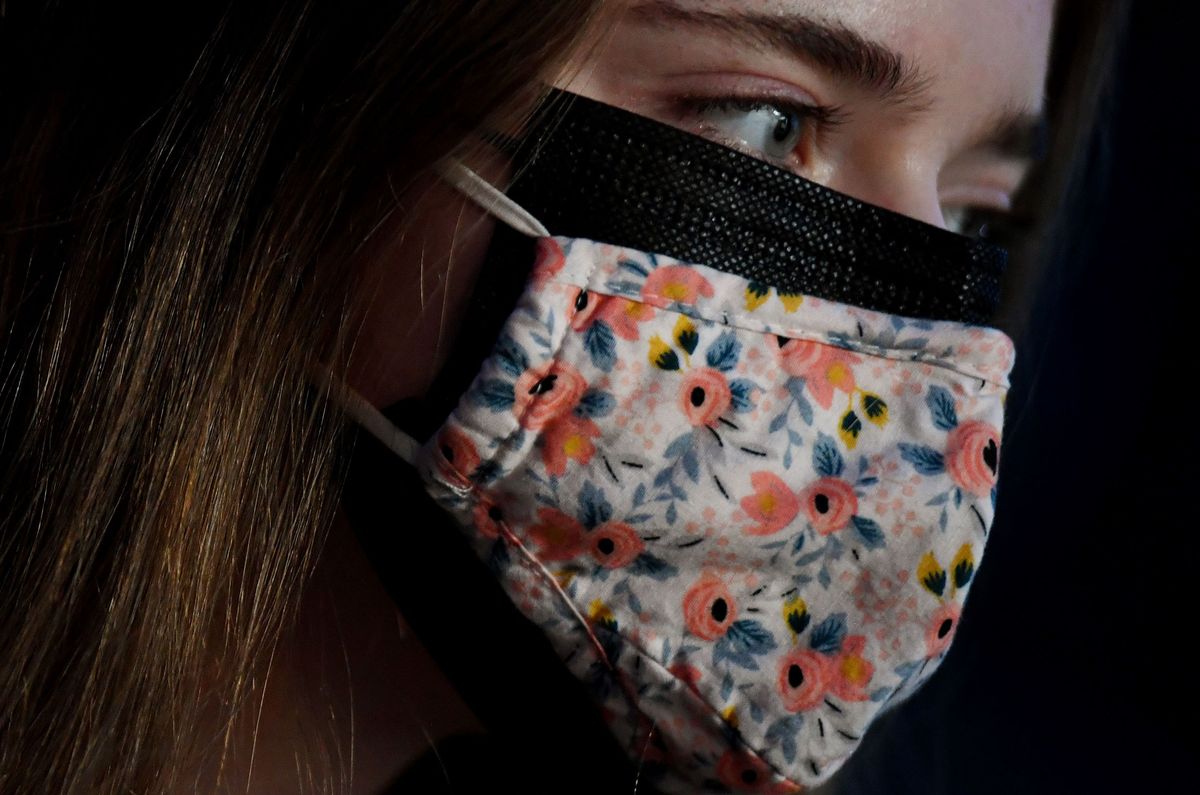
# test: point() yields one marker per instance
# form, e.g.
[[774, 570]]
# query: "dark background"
[[1073, 668]]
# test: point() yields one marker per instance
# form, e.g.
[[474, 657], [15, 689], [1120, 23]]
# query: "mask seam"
[[709, 710], [760, 327]]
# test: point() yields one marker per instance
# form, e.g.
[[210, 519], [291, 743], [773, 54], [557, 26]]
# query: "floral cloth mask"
[[747, 515]]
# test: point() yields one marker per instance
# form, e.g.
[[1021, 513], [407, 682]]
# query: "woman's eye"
[[771, 130], [984, 223]]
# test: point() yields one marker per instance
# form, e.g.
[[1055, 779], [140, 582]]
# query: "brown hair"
[[178, 196]]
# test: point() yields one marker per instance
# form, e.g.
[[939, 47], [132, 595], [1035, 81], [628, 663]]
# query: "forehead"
[[976, 57]]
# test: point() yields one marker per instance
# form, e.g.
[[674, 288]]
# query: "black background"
[[1073, 668]]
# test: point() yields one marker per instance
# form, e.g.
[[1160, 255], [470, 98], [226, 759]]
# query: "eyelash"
[[818, 118]]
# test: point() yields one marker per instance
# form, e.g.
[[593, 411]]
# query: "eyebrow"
[[1014, 132]]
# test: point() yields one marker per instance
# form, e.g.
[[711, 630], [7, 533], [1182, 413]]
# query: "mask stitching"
[[590, 280]]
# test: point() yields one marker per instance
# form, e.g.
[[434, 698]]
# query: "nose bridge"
[[899, 181]]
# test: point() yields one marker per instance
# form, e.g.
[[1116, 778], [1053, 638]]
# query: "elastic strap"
[[491, 199], [370, 418]]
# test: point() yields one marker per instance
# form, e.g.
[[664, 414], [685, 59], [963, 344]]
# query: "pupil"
[[795, 676], [495, 514], [990, 455], [944, 629], [606, 546], [749, 776], [697, 396], [720, 610], [784, 124], [543, 386], [581, 301], [821, 502], [447, 452]]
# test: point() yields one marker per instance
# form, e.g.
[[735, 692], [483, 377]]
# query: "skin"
[[927, 154]]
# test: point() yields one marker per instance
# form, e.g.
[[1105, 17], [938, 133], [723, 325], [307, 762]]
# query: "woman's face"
[[931, 108], [925, 107]]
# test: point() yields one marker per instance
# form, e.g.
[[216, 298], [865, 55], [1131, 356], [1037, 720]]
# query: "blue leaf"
[[630, 265], [494, 394], [925, 460], [624, 287], [867, 481], [723, 650], [741, 391], [639, 495], [670, 514], [678, 447], [638, 518], [880, 694], [957, 497], [823, 577], [647, 565], [939, 499], [511, 356], [756, 712], [827, 461], [635, 604], [795, 438], [691, 465], [788, 746], [540, 340], [595, 403], [726, 687], [795, 387], [827, 636], [723, 354], [905, 670], [943, 519], [911, 344], [941, 405], [787, 458], [778, 422], [663, 478], [805, 409], [869, 531], [798, 545], [593, 507], [749, 637], [601, 345], [678, 492]]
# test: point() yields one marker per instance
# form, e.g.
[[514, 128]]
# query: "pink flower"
[[488, 516], [829, 504], [558, 536], [742, 771], [940, 628], [550, 260], [851, 671], [583, 306], [459, 457], [615, 544], [546, 393], [675, 283], [804, 676], [772, 505], [704, 396], [624, 315], [824, 368], [708, 608], [688, 674], [973, 456], [568, 438]]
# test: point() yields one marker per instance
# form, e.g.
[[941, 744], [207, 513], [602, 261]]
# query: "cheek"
[[415, 286]]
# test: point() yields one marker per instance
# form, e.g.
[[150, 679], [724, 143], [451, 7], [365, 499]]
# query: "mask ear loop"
[[493, 201]]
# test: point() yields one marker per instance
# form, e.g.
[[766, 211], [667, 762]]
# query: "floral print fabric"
[[748, 520]]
